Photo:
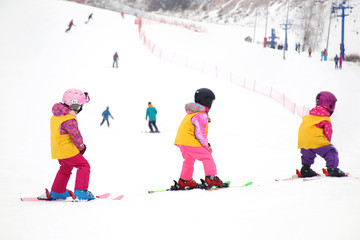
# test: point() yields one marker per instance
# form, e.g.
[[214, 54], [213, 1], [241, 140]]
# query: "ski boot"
[[214, 181], [336, 172], [84, 195], [51, 195], [186, 184], [54, 195], [307, 172]]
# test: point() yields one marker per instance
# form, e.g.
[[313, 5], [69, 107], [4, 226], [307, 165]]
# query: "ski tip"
[[155, 191], [106, 195], [119, 197], [248, 184]]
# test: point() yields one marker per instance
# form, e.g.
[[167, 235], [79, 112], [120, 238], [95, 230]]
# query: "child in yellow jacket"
[[314, 137], [192, 140]]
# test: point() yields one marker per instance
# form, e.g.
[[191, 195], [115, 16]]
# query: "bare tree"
[[311, 25]]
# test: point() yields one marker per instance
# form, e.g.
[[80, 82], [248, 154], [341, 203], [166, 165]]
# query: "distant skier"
[[325, 55], [309, 51], [192, 140], [315, 134], [122, 14], [89, 18], [340, 62], [322, 55], [115, 60], [336, 60], [151, 114], [67, 145], [106, 114], [70, 25]]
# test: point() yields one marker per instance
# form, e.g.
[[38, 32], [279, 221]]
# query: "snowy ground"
[[253, 137]]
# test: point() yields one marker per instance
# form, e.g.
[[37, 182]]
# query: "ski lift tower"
[[342, 6], [286, 26]]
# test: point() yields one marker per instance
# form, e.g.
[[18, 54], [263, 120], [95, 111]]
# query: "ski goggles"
[[87, 96], [85, 99]]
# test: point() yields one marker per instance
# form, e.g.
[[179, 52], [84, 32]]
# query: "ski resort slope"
[[253, 137]]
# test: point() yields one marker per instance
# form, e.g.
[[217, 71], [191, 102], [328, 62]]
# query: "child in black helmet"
[[192, 140]]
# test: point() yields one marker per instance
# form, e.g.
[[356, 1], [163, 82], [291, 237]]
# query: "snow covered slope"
[[253, 137]]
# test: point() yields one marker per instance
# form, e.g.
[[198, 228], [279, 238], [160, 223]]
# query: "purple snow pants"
[[329, 153]]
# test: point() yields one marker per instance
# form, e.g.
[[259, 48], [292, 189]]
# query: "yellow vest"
[[61, 144], [311, 136], [186, 132]]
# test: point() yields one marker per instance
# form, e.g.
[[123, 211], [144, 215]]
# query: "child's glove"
[[83, 151], [208, 147]]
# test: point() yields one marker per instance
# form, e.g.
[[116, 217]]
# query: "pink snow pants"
[[64, 173], [190, 154]]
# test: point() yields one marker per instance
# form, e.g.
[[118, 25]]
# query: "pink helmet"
[[74, 98]]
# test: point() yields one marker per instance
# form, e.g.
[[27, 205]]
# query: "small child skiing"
[[106, 114], [192, 140], [314, 137], [68, 147]]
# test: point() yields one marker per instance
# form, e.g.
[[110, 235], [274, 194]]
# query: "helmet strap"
[[76, 107], [330, 112]]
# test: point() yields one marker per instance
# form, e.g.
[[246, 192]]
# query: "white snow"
[[253, 137]]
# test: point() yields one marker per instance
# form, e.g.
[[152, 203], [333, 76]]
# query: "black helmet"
[[205, 97]]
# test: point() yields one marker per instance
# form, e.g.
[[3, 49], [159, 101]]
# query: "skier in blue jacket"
[[151, 113], [106, 115]]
